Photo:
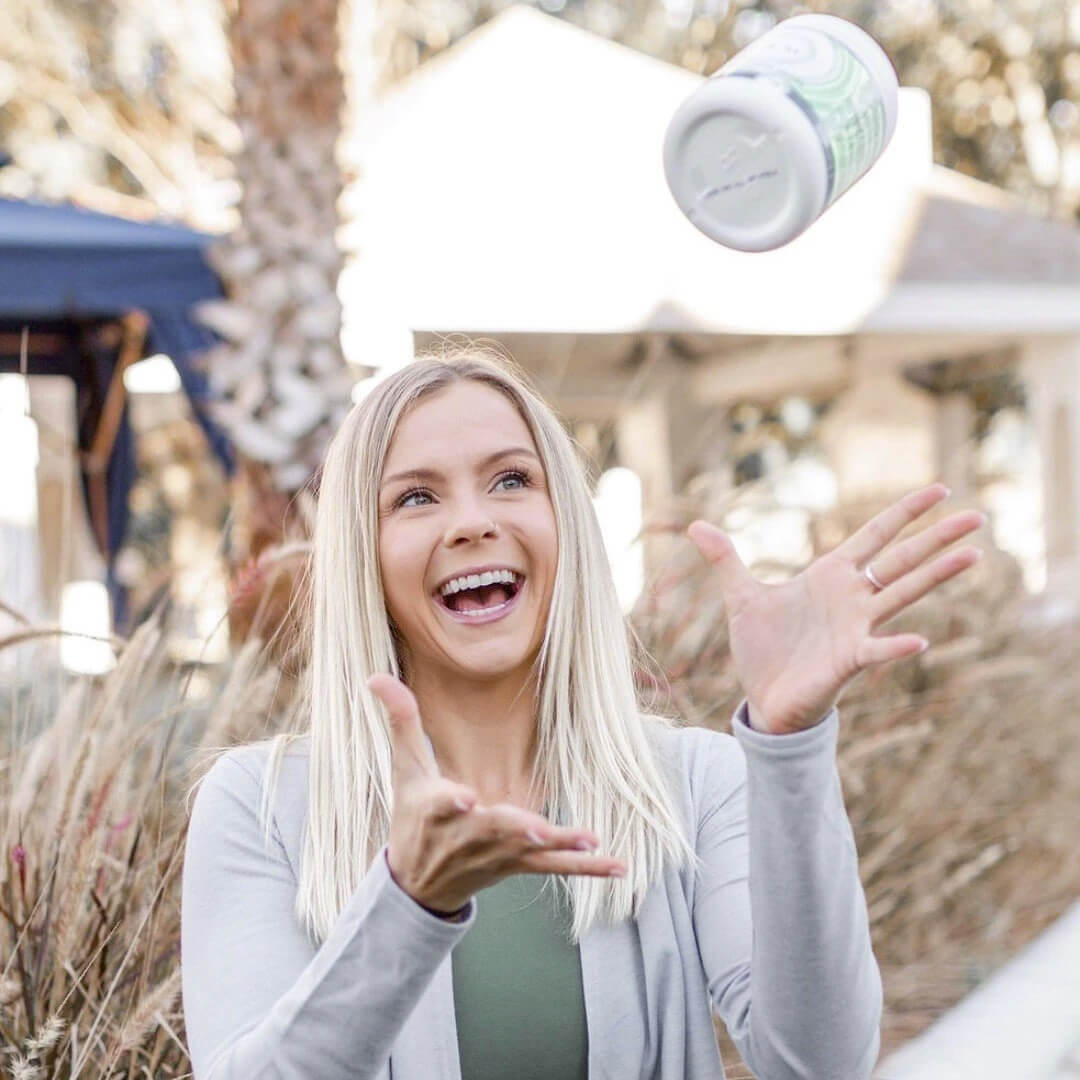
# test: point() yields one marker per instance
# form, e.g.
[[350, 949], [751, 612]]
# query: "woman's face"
[[456, 508]]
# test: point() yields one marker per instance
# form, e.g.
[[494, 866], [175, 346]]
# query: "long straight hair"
[[595, 761]]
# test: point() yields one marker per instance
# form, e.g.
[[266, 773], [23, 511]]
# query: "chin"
[[494, 666], [494, 663]]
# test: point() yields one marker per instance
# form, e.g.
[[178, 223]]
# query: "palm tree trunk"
[[281, 375]]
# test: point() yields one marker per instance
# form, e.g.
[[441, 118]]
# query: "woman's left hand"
[[797, 644]]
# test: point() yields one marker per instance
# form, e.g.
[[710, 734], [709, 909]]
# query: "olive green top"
[[518, 996]]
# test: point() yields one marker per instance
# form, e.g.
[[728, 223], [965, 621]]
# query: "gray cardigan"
[[796, 985]]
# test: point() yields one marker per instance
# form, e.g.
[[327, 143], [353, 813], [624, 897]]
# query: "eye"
[[409, 495], [521, 474]]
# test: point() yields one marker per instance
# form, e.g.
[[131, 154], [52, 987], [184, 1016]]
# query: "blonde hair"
[[595, 761]]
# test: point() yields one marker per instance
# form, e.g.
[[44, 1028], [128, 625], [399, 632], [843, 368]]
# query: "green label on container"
[[832, 86]]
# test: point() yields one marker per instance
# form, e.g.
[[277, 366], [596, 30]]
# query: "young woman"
[[364, 899]]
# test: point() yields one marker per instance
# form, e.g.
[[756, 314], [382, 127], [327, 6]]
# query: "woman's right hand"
[[444, 846]]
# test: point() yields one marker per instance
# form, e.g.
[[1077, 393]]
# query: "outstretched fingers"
[[883, 650], [908, 572], [892, 565], [530, 843], [883, 528], [916, 584]]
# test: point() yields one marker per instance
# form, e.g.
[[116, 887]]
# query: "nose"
[[472, 524]]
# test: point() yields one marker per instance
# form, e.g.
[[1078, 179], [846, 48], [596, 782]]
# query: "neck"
[[483, 733]]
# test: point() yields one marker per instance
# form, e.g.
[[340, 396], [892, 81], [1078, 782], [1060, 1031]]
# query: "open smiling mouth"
[[483, 604]]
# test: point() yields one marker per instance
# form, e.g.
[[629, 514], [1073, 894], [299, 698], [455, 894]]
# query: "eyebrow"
[[434, 474]]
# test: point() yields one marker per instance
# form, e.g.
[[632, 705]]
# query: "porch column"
[[955, 441], [68, 551], [669, 437], [643, 443], [879, 436], [1051, 368]]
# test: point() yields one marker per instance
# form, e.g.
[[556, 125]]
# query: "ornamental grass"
[[93, 809]]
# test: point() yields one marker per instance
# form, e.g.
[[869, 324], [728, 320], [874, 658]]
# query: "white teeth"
[[473, 581]]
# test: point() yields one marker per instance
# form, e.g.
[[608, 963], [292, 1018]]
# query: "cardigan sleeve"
[[260, 1001], [779, 910]]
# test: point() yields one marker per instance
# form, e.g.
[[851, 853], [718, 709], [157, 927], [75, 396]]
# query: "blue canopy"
[[62, 267]]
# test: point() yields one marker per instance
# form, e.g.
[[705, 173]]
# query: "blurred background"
[[221, 224]]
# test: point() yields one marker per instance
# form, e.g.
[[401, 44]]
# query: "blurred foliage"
[[134, 97], [105, 100]]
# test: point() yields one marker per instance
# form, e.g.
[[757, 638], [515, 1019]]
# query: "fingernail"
[[586, 845], [535, 838], [617, 871], [461, 804]]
